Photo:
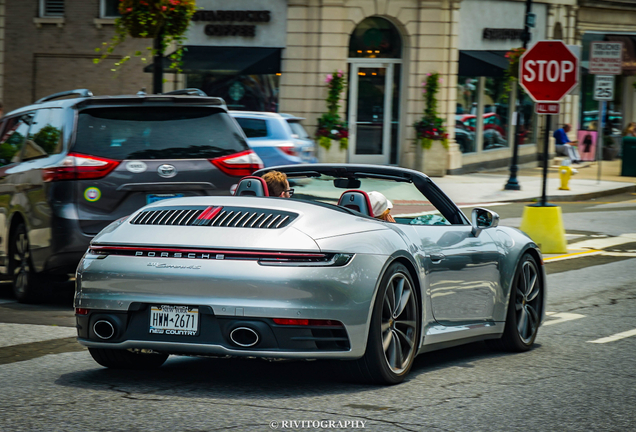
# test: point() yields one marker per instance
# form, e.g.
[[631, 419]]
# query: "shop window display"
[[240, 92], [495, 117], [527, 117], [465, 120]]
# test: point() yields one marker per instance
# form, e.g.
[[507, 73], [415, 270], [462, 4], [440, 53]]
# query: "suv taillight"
[[290, 150], [239, 164], [79, 167]]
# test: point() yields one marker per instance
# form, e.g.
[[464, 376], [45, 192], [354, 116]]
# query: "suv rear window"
[[298, 129], [157, 133], [253, 128]]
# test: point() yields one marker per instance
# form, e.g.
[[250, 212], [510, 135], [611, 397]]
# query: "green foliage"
[[47, 138], [168, 19], [512, 73], [330, 125], [430, 127]]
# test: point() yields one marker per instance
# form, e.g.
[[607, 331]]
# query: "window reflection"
[[13, 138], [465, 123], [495, 118], [526, 119]]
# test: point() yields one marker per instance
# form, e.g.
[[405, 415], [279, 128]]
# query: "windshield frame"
[[422, 182]]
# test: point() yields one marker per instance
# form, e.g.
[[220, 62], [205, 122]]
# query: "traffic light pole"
[[513, 183]]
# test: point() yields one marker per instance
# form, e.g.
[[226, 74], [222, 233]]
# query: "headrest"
[[356, 200], [252, 186]]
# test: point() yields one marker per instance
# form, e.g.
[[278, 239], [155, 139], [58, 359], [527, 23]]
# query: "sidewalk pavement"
[[488, 187]]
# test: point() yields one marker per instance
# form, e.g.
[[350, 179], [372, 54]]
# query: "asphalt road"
[[579, 377]]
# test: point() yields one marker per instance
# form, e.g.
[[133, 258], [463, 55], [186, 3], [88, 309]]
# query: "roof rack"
[[187, 91], [79, 92]]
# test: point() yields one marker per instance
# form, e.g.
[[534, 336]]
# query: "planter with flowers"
[[163, 20], [430, 133], [332, 133]]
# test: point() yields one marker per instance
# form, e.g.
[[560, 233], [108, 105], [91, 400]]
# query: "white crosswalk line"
[[602, 243], [615, 337], [562, 317]]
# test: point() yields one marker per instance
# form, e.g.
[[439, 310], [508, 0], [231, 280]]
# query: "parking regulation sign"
[[606, 58]]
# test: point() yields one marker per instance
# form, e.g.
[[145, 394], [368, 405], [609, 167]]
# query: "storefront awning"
[[482, 63], [228, 60]]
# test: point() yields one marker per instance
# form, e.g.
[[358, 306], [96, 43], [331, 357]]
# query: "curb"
[[577, 197]]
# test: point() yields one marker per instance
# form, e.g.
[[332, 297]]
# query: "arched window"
[[375, 37]]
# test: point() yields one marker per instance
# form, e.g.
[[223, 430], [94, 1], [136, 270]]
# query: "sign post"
[[606, 60], [548, 72]]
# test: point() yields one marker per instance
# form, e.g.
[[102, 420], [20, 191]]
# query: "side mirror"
[[483, 218]]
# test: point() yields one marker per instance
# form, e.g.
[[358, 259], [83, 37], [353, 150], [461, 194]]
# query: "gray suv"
[[70, 167]]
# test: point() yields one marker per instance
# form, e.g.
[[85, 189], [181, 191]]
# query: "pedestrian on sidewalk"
[[564, 146]]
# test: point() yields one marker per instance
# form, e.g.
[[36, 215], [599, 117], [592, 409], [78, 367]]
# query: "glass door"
[[370, 112]]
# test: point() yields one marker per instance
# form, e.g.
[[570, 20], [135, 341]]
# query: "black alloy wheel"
[[25, 280], [524, 309], [394, 333]]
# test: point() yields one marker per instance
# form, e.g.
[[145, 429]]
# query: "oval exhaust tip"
[[104, 329], [244, 336]]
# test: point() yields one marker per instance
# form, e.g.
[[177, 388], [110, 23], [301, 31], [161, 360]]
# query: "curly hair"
[[276, 182]]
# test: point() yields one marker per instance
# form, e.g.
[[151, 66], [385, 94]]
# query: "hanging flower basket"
[[143, 27], [149, 19], [513, 57]]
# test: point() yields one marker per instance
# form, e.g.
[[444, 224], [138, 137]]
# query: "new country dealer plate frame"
[[174, 320]]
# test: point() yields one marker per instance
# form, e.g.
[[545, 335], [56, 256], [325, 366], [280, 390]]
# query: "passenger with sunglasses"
[[277, 184]]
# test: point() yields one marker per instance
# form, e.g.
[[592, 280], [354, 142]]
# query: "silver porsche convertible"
[[317, 276]]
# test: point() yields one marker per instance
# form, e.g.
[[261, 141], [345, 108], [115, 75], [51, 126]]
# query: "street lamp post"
[[157, 71], [513, 183]]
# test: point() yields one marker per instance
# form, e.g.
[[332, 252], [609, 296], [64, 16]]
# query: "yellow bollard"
[[566, 172], [544, 225]]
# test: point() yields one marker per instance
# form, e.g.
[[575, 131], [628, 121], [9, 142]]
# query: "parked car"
[[494, 129], [464, 137], [70, 167], [316, 276], [278, 139]]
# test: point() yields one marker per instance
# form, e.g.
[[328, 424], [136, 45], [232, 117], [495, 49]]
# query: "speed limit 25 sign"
[[603, 87]]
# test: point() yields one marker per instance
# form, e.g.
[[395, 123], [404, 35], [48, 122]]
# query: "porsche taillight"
[[239, 164], [79, 167]]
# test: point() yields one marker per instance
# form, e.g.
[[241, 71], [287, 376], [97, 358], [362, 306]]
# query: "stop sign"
[[548, 71]]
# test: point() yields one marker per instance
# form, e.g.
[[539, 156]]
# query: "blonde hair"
[[276, 182]]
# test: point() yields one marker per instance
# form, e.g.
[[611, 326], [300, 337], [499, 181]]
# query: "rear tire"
[[525, 309], [27, 285], [394, 332], [124, 359]]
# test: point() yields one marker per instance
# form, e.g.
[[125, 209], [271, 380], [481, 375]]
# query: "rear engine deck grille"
[[233, 217]]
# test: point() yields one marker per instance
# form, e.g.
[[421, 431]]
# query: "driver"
[[380, 206], [277, 184]]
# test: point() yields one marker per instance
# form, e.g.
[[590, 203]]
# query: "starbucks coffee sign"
[[249, 23]]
